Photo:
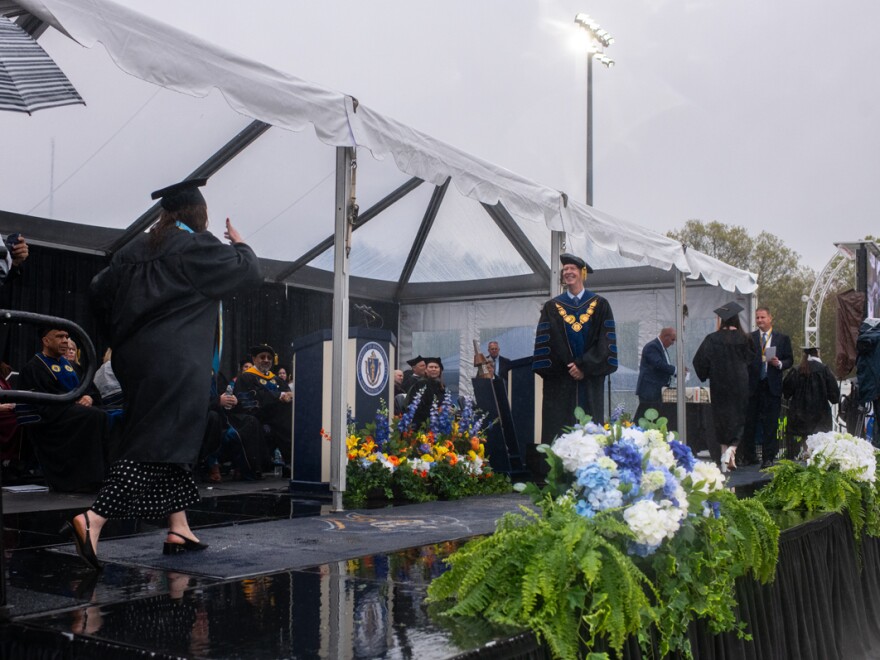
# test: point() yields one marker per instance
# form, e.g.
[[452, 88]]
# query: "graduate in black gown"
[[575, 349], [160, 299], [724, 358], [811, 389], [70, 441]]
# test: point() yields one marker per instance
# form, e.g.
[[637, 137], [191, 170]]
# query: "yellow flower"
[[427, 458], [351, 442], [472, 455]]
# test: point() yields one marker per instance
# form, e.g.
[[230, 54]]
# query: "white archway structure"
[[814, 301]]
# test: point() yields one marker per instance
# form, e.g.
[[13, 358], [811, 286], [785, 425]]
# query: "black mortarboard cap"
[[567, 259], [180, 195], [415, 360], [728, 310], [261, 348], [435, 360]]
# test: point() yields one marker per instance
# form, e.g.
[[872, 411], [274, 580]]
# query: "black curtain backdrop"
[[823, 604], [56, 282]]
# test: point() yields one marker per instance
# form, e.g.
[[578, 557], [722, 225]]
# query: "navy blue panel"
[[522, 402], [366, 405], [307, 406]]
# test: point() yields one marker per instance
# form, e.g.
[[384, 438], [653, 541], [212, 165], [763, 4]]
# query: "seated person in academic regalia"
[[261, 394], [416, 371], [233, 438], [70, 441], [431, 389]]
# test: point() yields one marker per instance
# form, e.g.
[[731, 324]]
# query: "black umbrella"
[[29, 79]]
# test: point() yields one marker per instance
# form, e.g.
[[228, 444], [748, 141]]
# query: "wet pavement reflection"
[[372, 607], [369, 607]]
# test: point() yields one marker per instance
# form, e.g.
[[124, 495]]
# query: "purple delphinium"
[[441, 417], [383, 431], [409, 413]]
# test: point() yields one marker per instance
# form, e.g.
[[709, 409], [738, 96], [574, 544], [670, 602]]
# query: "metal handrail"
[[85, 344]]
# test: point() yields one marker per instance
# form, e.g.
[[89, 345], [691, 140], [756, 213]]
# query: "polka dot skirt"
[[145, 490]]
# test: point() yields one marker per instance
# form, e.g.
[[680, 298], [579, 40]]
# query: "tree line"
[[783, 282]]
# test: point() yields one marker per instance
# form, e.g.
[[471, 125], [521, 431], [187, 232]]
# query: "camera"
[[12, 240]]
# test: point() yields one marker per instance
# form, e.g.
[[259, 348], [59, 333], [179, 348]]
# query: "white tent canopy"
[[168, 57]]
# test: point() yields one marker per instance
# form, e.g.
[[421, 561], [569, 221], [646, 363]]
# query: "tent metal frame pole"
[[420, 238], [680, 398], [557, 241], [346, 162], [517, 238]]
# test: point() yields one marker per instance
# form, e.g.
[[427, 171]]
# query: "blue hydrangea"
[[627, 456], [684, 457], [629, 477], [605, 498], [584, 509], [593, 477], [670, 485], [642, 549]]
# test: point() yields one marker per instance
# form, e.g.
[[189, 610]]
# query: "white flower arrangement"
[[645, 476], [844, 452]]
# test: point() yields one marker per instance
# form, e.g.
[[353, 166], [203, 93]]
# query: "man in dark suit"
[[502, 364], [655, 370], [774, 356]]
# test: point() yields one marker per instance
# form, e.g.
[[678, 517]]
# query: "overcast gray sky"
[[761, 113]]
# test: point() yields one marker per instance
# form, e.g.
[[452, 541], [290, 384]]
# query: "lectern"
[[371, 357]]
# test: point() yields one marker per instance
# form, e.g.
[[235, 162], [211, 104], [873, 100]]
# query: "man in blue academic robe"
[[70, 441], [575, 348]]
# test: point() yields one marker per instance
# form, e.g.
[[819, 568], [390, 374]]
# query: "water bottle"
[[278, 461], [229, 390]]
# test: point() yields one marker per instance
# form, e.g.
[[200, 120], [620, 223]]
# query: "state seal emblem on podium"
[[372, 368]]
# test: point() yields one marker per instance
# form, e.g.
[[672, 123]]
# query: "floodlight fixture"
[[604, 59], [593, 28]]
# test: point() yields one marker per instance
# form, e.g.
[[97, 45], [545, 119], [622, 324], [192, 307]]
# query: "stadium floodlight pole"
[[598, 37]]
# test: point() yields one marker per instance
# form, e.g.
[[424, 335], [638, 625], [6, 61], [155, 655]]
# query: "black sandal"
[[188, 545], [83, 544]]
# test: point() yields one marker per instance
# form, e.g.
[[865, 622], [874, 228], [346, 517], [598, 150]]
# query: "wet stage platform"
[[284, 577]]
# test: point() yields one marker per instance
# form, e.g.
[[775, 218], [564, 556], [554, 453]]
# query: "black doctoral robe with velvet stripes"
[[581, 332]]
